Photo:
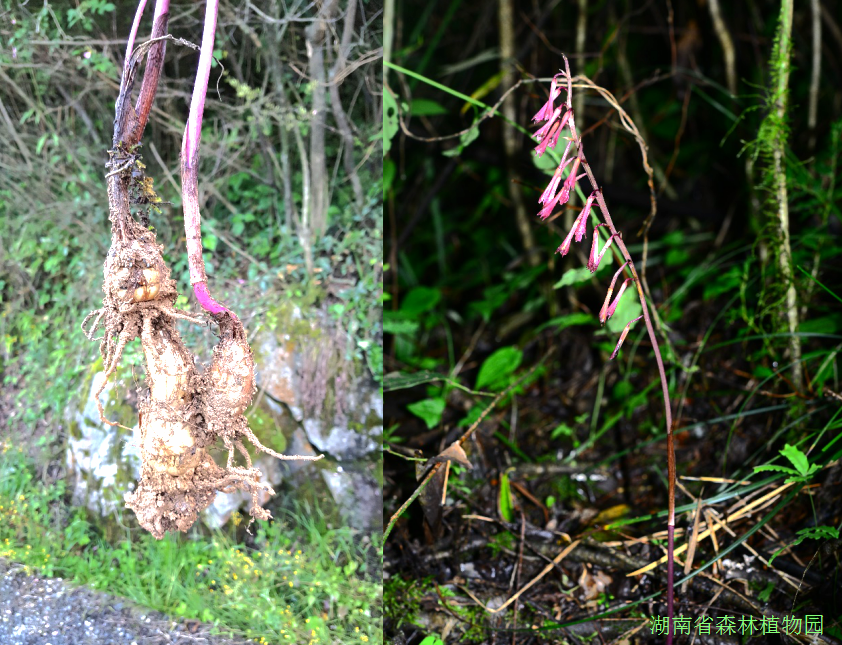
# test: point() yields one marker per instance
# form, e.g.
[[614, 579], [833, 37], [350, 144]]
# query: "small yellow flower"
[[290, 583]]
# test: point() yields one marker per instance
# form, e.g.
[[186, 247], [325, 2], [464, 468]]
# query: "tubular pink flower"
[[570, 181], [603, 313], [623, 337], [565, 246], [583, 222], [544, 129], [610, 311], [547, 140], [549, 192], [547, 110], [548, 207], [595, 258]]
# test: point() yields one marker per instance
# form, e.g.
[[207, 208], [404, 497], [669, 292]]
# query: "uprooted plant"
[[557, 119], [184, 411]]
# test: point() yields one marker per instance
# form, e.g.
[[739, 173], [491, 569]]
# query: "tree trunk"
[[316, 35]]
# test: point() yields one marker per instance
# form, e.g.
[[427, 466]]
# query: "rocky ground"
[[49, 611]]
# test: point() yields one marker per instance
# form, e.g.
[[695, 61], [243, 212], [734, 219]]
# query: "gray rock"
[[358, 496], [342, 443]]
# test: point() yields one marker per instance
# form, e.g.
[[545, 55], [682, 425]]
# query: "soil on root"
[[182, 411]]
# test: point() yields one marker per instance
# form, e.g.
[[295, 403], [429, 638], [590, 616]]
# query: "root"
[[243, 451], [99, 313], [256, 442], [129, 333]]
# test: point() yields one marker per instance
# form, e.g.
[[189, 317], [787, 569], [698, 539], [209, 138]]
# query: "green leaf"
[[812, 533], [390, 120], [628, 309], [569, 320], [473, 414], [465, 140], [432, 640], [419, 301], [562, 430], [498, 367], [778, 469], [573, 276], [397, 326], [209, 241], [428, 410], [427, 107], [545, 163], [388, 174], [505, 502], [797, 459]]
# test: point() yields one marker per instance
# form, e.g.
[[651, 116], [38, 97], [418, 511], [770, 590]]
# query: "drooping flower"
[[571, 180], [623, 337], [603, 313], [576, 231], [596, 255], [548, 207], [583, 222], [610, 311], [549, 191], [549, 139], [544, 129], [547, 109]]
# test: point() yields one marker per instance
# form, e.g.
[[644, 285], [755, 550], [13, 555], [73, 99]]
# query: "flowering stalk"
[[548, 136]]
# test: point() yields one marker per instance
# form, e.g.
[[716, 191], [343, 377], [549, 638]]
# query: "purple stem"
[[189, 170]]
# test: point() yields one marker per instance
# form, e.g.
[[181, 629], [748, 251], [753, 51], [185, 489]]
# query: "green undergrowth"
[[298, 581]]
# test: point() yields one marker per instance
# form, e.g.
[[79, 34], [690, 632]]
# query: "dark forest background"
[[485, 319]]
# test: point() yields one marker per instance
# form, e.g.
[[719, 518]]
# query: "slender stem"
[[133, 33], [603, 207], [189, 170]]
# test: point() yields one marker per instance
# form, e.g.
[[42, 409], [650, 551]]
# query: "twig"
[[434, 469]]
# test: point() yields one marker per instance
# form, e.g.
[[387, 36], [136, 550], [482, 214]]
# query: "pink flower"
[[549, 192], [610, 311], [546, 111], [603, 313], [595, 258], [586, 209], [565, 246], [549, 139], [623, 337], [544, 129], [549, 132], [576, 231], [570, 181], [548, 207]]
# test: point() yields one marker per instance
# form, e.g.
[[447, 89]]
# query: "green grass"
[[302, 582]]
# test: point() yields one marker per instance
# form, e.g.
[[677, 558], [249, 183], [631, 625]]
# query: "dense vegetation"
[[549, 483]]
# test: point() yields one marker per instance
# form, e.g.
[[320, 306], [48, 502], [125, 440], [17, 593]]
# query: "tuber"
[[183, 412]]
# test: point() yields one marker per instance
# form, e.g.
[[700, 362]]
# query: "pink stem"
[[189, 170], [135, 26]]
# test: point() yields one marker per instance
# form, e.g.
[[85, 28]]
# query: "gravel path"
[[48, 611]]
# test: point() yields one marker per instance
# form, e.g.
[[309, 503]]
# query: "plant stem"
[[189, 171], [781, 75], [618, 241]]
